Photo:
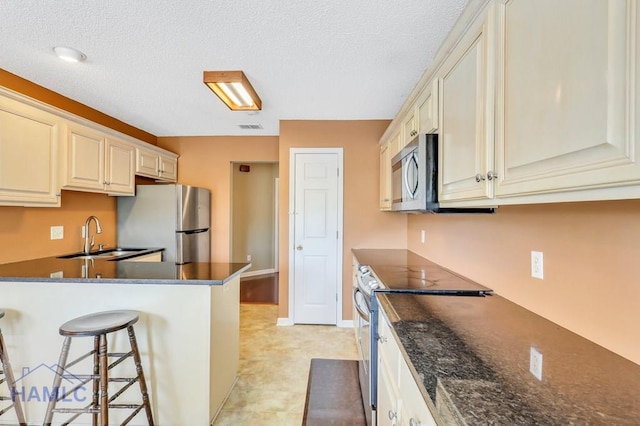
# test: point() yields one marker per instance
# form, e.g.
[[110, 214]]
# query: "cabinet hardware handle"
[[382, 339], [414, 422], [492, 175], [299, 248], [479, 177], [392, 415]]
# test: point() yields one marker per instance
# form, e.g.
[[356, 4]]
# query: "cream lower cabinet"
[[568, 111], [156, 163], [466, 119], [28, 155], [97, 162], [400, 402]]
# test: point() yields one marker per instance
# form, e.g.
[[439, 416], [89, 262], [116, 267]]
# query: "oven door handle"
[[363, 315]]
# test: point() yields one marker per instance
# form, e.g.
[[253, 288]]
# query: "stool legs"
[[96, 382], [141, 380], [57, 380], [99, 407], [104, 381], [11, 381]]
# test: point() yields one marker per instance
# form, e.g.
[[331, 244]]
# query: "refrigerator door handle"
[[193, 231]]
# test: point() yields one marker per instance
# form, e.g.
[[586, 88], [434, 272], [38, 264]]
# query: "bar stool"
[[99, 325], [11, 382]]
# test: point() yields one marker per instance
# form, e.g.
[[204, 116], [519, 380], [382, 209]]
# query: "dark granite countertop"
[[52, 269], [470, 356]]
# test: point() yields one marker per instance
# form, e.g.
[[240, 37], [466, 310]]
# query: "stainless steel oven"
[[362, 292]]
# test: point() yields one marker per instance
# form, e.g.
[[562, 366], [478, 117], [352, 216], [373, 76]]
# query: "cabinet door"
[[409, 129], [385, 177], [147, 163], [466, 126], [414, 408], [388, 409], [120, 166], [568, 108], [168, 168], [85, 148], [427, 108], [28, 155]]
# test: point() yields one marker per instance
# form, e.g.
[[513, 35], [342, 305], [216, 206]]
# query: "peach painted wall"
[[206, 161], [591, 250], [364, 225], [25, 231]]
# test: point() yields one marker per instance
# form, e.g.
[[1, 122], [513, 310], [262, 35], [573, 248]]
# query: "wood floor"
[[261, 289]]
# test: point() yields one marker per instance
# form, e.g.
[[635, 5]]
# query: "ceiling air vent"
[[250, 126]]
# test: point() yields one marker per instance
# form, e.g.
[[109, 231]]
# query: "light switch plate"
[[57, 232]]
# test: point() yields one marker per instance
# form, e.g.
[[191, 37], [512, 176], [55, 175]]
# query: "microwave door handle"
[[412, 164]]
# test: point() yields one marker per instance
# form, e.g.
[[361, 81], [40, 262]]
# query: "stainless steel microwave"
[[414, 179]]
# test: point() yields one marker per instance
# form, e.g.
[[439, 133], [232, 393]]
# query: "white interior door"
[[316, 238]]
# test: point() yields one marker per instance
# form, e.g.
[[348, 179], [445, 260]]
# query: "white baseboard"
[[345, 323], [285, 321], [260, 272]]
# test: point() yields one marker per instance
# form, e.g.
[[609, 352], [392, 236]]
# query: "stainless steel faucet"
[[89, 242]]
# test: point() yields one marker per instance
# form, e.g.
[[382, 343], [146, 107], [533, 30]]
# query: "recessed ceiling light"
[[69, 54]]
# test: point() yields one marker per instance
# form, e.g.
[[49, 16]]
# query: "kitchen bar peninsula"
[[188, 332]]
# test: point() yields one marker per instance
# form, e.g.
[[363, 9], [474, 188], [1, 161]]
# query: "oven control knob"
[[364, 269], [374, 285]]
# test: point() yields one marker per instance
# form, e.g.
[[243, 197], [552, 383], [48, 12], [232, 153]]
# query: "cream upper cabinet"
[[409, 128], [385, 176], [28, 155], [422, 116], [169, 167], [466, 119], [156, 163], [568, 110], [427, 108], [120, 167], [97, 162]]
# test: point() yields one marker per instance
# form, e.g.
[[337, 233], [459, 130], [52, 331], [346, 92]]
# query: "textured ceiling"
[[308, 60]]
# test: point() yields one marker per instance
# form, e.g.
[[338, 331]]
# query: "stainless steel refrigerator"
[[175, 217]]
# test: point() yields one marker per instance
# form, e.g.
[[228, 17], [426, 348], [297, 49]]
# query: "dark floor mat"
[[333, 394]]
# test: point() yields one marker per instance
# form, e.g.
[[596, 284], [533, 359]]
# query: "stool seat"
[[99, 323]]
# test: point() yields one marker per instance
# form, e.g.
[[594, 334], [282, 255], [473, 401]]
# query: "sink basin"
[[103, 254]]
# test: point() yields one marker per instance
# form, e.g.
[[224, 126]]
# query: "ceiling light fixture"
[[233, 88], [69, 54]]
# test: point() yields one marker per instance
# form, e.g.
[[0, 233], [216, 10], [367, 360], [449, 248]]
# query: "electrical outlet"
[[537, 267], [535, 363], [57, 274], [248, 258], [423, 236], [57, 232]]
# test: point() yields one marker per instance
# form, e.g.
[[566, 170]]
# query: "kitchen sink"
[[104, 254]]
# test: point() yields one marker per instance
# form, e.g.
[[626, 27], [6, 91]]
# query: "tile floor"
[[274, 367]]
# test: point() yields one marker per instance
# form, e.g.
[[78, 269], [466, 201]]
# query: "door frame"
[[340, 240]]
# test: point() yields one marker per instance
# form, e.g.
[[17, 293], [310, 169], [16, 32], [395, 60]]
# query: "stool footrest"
[[76, 410], [79, 359], [4, 410], [122, 357]]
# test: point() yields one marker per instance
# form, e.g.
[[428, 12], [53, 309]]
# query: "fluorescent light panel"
[[233, 88]]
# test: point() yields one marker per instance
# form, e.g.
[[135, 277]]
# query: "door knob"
[[299, 248]]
